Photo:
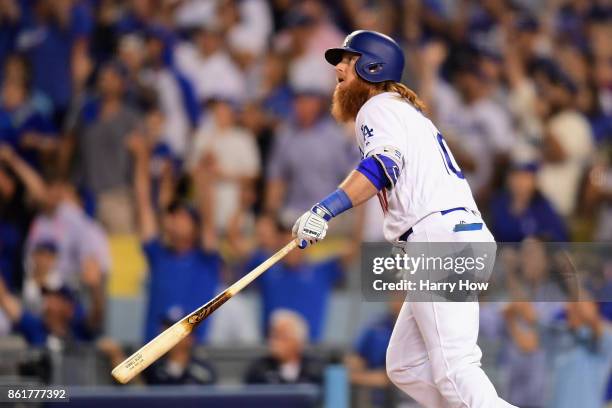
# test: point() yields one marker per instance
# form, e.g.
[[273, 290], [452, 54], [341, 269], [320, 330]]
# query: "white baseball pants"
[[432, 355]]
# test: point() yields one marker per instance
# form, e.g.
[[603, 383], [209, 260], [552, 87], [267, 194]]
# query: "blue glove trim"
[[333, 205], [372, 169]]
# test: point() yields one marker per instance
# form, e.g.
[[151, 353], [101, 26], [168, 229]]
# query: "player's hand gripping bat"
[[157, 347]]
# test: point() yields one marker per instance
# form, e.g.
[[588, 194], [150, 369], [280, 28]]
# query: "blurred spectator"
[[290, 178], [286, 362], [366, 363], [536, 298], [42, 273], [247, 26], [598, 198], [163, 163], [567, 142], [230, 154], [309, 32], [16, 213], [208, 65], [184, 265], [532, 272], [17, 69], [22, 124], [180, 365], [570, 21], [545, 106], [381, 16], [54, 34], [11, 17], [254, 119], [104, 34], [138, 16], [524, 357], [176, 95], [192, 13], [131, 54], [81, 243], [274, 92], [224, 332], [62, 320], [581, 357], [103, 130], [523, 211], [480, 125]]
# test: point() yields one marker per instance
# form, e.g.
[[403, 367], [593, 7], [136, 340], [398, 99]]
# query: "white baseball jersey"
[[429, 178]]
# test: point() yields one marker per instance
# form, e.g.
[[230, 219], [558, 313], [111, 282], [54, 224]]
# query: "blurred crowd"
[[202, 127]]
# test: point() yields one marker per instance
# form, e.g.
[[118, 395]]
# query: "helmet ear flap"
[[369, 69], [374, 67]]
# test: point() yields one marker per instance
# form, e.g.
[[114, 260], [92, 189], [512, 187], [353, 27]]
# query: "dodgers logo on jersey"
[[367, 133]]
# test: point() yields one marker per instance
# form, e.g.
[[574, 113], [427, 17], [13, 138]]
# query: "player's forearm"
[[352, 192], [358, 188]]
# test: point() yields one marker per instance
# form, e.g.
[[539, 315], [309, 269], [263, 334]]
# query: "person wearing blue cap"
[[63, 320]]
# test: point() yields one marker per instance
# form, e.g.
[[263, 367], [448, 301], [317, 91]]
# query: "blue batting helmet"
[[380, 58]]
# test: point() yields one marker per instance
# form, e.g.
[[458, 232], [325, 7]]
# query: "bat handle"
[[251, 276]]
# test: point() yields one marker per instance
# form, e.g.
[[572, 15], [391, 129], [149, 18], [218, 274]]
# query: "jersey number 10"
[[449, 161]]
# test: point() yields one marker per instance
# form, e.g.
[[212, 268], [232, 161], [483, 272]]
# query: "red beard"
[[349, 99]]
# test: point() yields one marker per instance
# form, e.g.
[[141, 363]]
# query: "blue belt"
[[405, 235]]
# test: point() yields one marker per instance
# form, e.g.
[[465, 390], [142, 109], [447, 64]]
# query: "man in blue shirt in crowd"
[[523, 211], [366, 363], [297, 284], [184, 265], [56, 33], [22, 126], [581, 357], [62, 318]]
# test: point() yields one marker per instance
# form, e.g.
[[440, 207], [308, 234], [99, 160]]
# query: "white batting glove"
[[309, 228]]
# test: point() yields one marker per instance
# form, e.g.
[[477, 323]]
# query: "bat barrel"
[[151, 351]]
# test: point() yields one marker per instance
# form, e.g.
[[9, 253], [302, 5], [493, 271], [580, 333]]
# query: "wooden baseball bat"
[[150, 352]]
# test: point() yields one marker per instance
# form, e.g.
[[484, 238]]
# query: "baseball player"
[[432, 354]]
